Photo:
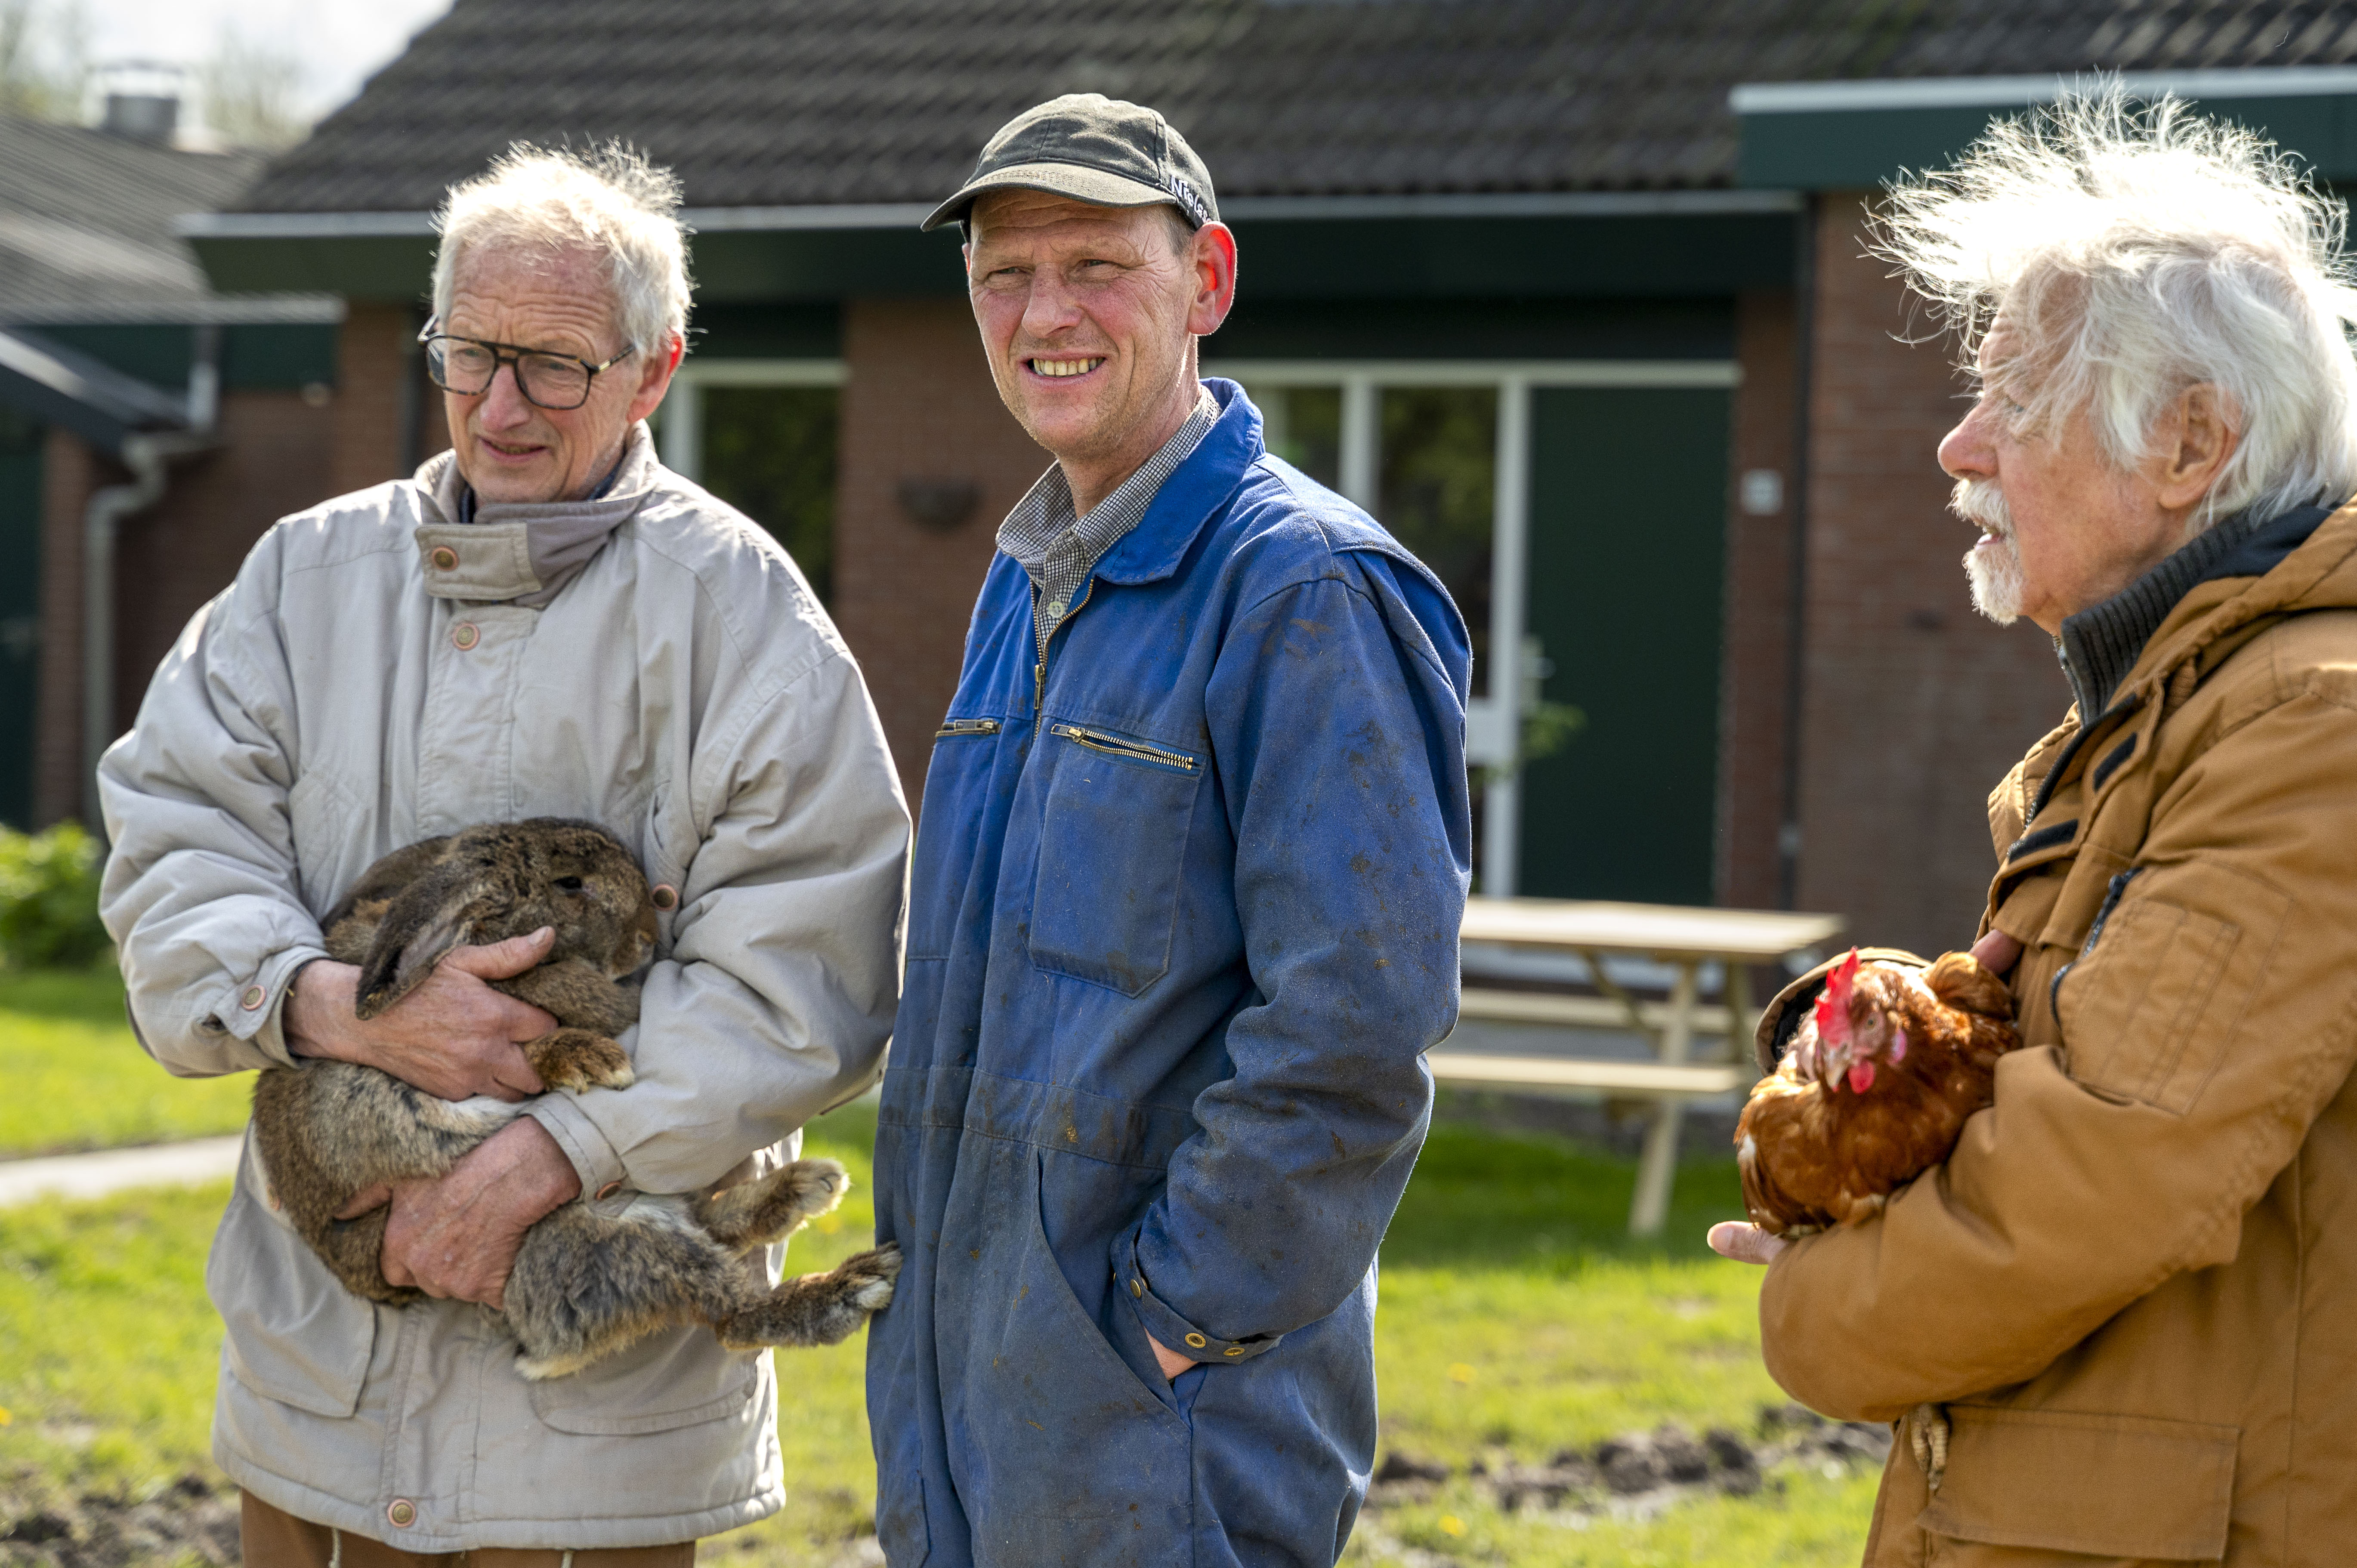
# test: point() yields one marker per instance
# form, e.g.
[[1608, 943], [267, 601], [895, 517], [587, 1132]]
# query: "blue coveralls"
[[1183, 919]]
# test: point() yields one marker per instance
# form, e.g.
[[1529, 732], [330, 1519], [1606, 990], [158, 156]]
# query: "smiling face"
[[1088, 315], [509, 449], [2063, 529]]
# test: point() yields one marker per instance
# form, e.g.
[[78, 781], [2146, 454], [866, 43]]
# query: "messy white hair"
[[2136, 252], [610, 202]]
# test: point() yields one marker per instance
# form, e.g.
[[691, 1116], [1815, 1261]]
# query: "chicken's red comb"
[[1833, 1002]]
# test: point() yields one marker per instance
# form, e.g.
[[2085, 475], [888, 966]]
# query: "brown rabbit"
[[586, 1284]]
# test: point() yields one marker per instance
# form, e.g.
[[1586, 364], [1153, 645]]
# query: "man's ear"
[[2199, 437], [1214, 261], [654, 375]]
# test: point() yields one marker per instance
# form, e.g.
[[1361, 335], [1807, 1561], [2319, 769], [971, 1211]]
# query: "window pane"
[[1435, 492], [1304, 426], [770, 452]]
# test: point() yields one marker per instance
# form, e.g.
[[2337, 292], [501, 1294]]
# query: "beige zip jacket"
[[380, 673]]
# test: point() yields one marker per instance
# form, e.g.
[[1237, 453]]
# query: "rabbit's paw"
[[579, 1058], [817, 1309], [771, 1208]]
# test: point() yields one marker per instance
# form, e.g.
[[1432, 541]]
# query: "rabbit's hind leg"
[[771, 1208], [817, 1309], [579, 1058], [585, 1285]]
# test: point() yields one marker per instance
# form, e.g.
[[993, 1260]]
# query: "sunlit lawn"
[[1516, 1316], [71, 1076]]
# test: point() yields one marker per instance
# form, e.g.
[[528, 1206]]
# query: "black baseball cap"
[[1095, 149]]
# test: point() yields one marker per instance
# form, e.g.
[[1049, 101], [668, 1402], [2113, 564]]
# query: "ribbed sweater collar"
[[2102, 643]]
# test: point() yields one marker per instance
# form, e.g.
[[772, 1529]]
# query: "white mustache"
[[1982, 504]]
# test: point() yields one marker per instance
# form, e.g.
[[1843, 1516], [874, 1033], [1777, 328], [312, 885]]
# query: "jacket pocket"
[[948, 865], [675, 1378], [2147, 1012], [2111, 1486], [292, 1332], [1112, 844]]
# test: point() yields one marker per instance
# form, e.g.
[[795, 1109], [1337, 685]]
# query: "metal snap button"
[[665, 897], [465, 635], [254, 998], [608, 1191], [445, 559], [1138, 1288], [1233, 1350], [402, 1513], [1197, 1341]]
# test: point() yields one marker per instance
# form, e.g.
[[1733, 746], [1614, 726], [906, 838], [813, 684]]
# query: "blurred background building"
[[1571, 296]]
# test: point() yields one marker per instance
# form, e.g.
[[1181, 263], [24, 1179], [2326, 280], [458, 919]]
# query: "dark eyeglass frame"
[[512, 354]]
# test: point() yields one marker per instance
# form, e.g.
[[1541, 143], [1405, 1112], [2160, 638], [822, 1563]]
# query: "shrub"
[[49, 899]]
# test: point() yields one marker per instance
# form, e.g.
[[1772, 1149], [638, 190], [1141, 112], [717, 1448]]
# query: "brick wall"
[[919, 405], [69, 473], [277, 456], [1913, 706], [1753, 683], [378, 374]]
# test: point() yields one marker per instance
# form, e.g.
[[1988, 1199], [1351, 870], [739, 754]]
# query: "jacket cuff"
[[594, 1159], [1165, 1325], [252, 1008]]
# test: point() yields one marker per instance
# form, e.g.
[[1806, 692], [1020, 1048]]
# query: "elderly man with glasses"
[[542, 622]]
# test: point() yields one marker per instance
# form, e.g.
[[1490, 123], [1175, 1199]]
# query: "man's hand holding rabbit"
[[452, 1036], [456, 1238]]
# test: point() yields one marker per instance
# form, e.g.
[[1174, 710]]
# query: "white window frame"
[[679, 434], [1492, 723]]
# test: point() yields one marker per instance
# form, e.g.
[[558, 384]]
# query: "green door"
[[1628, 525], [20, 608]]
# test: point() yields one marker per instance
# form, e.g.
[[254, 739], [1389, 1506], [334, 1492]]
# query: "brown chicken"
[[1903, 1059]]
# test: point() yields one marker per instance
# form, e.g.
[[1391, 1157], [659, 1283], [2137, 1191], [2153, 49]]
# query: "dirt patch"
[[189, 1519], [1642, 1472]]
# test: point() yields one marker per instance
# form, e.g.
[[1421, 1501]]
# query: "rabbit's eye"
[[570, 884]]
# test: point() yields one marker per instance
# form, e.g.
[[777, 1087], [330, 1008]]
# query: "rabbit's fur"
[[585, 1282]]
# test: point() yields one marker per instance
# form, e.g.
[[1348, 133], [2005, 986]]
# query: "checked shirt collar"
[[1058, 549]]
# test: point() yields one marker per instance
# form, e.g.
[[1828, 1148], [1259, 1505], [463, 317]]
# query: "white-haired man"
[[2115, 1327], [543, 621]]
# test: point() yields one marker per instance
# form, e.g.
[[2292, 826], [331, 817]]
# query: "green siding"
[[277, 356], [1474, 330], [1627, 550], [1857, 149]]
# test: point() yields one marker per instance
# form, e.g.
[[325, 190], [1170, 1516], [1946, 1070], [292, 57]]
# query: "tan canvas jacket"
[[652, 662], [2133, 1286]]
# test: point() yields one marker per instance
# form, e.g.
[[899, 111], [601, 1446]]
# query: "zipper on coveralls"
[[1121, 746], [1039, 670]]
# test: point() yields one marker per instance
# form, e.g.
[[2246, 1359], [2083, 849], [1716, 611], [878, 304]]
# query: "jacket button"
[[402, 1513], [665, 897], [445, 559], [254, 998], [608, 1191], [1197, 1341], [1138, 1288], [464, 636], [1233, 1350]]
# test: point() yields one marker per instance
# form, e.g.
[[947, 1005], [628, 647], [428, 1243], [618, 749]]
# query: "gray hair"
[[2139, 252], [611, 201]]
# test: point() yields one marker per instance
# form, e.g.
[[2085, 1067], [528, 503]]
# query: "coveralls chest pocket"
[[1112, 844]]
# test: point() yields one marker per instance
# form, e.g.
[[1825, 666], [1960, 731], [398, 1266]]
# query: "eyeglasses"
[[553, 382]]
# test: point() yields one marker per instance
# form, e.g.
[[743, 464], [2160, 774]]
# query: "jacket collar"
[[1196, 489], [523, 552], [2099, 644]]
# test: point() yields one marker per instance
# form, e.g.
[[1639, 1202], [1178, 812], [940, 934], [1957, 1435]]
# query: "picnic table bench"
[[1686, 939]]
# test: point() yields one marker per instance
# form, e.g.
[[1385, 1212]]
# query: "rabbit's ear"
[[423, 926]]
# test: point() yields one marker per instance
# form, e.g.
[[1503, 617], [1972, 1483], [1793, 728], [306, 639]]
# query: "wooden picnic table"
[[1683, 938]]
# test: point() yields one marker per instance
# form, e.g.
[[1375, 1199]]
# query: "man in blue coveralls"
[[1192, 858]]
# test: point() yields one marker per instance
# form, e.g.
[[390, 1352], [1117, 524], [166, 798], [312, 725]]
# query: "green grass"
[[77, 1079], [1516, 1317]]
